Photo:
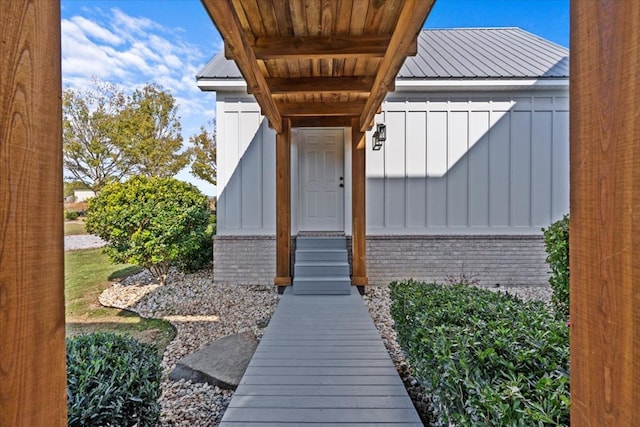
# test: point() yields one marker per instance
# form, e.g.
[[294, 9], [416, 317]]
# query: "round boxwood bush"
[[154, 223], [112, 380]]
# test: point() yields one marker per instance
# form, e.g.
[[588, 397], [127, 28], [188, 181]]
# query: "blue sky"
[[131, 42]]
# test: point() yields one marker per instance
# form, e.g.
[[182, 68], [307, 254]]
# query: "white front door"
[[321, 179]]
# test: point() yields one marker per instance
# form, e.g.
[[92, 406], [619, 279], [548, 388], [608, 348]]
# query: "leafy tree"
[[91, 137], [204, 153], [152, 222], [152, 132]]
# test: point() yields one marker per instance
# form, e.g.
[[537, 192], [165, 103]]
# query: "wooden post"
[[283, 205], [605, 213], [358, 205], [32, 335]]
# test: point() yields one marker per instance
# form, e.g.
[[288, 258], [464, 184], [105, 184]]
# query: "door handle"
[[341, 185]]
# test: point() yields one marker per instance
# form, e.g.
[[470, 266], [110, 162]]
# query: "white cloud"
[[93, 30], [130, 51]]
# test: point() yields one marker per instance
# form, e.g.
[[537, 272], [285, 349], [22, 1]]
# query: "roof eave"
[[533, 83], [215, 85]]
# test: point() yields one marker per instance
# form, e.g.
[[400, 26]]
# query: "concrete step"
[[321, 243], [321, 268], [305, 255], [321, 285]]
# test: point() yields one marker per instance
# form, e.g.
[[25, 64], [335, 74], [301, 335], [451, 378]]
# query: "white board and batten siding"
[[492, 163], [246, 168], [456, 164]]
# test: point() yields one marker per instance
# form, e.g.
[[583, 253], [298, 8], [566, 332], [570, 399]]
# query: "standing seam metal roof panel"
[[460, 53]]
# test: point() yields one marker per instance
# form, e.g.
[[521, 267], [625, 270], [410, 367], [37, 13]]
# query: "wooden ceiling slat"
[[343, 16], [320, 85], [299, 18], [283, 17], [314, 20], [358, 16], [367, 46], [374, 15], [239, 7], [269, 19], [409, 23], [328, 18]]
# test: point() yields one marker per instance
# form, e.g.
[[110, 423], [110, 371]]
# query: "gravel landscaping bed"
[[203, 312]]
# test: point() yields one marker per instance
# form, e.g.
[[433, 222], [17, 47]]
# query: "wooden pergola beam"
[[224, 16], [409, 24], [320, 108], [320, 121], [358, 205], [283, 205], [321, 47], [605, 213], [32, 323], [282, 86]]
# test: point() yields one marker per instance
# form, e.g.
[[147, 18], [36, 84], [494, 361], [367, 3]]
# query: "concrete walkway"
[[321, 362]]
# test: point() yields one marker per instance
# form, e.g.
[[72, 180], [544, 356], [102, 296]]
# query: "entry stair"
[[321, 266]]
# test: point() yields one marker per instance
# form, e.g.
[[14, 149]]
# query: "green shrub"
[[485, 358], [112, 380], [71, 215], [154, 223], [556, 241]]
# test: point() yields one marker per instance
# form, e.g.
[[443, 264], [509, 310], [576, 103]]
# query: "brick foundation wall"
[[504, 260], [507, 260], [244, 260]]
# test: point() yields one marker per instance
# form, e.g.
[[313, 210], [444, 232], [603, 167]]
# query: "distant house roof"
[[460, 53]]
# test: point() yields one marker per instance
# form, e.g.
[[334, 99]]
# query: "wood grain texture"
[[605, 213], [319, 47], [277, 44], [321, 108], [358, 204], [320, 85], [283, 205], [228, 22], [32, 335]]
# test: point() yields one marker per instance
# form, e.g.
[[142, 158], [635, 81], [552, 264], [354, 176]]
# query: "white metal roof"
[[459, 53], [464, 53]]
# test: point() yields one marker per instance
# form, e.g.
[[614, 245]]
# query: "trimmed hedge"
[[556, 242], [112, 380], [485, 358]]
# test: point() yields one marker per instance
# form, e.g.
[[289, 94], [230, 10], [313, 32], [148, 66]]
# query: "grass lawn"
[[74, 228], [87, 273]]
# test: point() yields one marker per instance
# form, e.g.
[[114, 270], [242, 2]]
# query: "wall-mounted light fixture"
[[379, 136]]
